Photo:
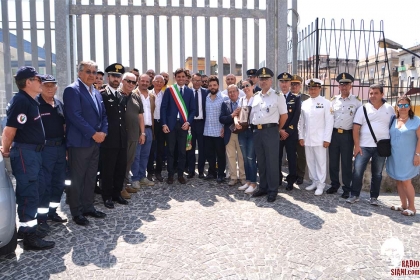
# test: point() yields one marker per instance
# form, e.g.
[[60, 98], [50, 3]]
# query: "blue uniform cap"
[[48, 79], [26, 72]]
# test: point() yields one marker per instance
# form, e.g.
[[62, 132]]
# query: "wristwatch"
[[418, 154], [143, 133]]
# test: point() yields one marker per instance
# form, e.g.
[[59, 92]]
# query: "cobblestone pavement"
[[204, 230]]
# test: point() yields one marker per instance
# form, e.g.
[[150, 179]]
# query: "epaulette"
[[334, 97], [257, 93], [277, 92], [358, 98]]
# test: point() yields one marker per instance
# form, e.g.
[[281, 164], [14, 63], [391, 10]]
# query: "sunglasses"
[[35, 79], [403, 106], [130, 82], [246, 85]]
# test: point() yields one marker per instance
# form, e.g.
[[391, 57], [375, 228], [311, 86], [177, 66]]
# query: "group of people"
[[124, 129]]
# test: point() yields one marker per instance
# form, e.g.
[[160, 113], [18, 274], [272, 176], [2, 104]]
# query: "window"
[[413, 58], [402, 62]]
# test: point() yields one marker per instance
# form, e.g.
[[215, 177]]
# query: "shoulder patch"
[[358, 98], [21, 118], [334, 97]]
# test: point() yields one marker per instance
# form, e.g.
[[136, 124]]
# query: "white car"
[[8, 233]]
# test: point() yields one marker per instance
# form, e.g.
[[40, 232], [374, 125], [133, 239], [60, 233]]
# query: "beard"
[[213, 91]]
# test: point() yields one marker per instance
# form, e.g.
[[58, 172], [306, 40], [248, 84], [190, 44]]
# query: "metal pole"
[[294, 36], [316, 48]]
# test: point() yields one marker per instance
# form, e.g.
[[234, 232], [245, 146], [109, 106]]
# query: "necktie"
[[180, 90], [196, 104]]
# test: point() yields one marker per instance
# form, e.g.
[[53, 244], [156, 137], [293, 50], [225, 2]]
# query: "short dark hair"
[[249, 81], [180, 70], [21, 84], [406, 98], [135, 69], [197, 74], [377, 86], [213, 78], [203, 75]]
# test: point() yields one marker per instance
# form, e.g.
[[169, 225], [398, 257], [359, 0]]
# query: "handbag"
[[243, 119], [384, 145]]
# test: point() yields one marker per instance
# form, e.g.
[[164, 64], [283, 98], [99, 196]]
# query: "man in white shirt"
[[231, 80], [379, 114]]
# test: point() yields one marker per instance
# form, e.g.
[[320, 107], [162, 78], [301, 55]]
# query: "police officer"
[[23, 140], [295, 88], [268, 116], [343, 107], [252, 75], [114, 148], [289, 132], [54, 153]]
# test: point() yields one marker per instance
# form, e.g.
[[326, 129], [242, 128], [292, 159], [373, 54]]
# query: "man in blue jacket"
[[86, 128]]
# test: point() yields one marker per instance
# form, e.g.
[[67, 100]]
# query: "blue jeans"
[[138, 168], [246, 143], [360, 163]]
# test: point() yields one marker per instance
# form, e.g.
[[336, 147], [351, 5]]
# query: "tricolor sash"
[[179, 101]]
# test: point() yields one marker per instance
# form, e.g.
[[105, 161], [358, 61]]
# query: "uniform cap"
[[26, 72], [284, 77], [115, 69], [314, 82], [344, 78], [296, 79], [48, 79], [265, 72], [251, 72]]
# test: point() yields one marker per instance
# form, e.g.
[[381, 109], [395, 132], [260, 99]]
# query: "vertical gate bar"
[[271, 24], [8, 78], [157, 44], [316, 48], [244, 42], [118, 32], [47, 34], [19, 33], [194, 41], [220, 48], [62, 42], [256, 38], [79, 38], [181, 37], [294, 36], [170, 69], [281, 34], [144, 43], [132, 51], [34, 35], [207, 70], [92, 34], [232, 41], [105, 37]]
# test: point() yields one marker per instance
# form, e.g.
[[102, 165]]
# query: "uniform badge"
[[268, 109], [290, 110], [291, 126], [351, 112], [21, 118], [110, 100]]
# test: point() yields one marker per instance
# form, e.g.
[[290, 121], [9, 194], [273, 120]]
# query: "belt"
[[54, 142], [147, 126], [262, 126], [199, 120], [340, 131], [156, 120], [33, 147]]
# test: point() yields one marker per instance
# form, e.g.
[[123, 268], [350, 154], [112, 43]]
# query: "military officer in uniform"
[[252, 75], [289, 132], [114, 147], [23, 140], [295, 88], [343, 107], [54, 153], [268, 116]]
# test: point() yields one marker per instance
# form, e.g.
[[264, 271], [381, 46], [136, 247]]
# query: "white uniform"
[[315, 126], [267, 108]]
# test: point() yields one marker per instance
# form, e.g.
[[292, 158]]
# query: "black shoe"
[[259, 193], [271, 197], [97, 190], [220, 180], [43, 226], [210, 177], [201, 176], [31, 241], [56, 218], [345, 194], [170, 180], [159, 177], [120, 200], [95, 214], [289, 187], [182, 180], [299, 180], [332, 190], [190, 175], [109, 204], [150, 177], [81, 220]]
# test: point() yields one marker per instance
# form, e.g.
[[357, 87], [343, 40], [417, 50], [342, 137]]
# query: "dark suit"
[[114, 148], [169, 116], [197, 131], [226, 119], [291, 127], [83, 120]]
